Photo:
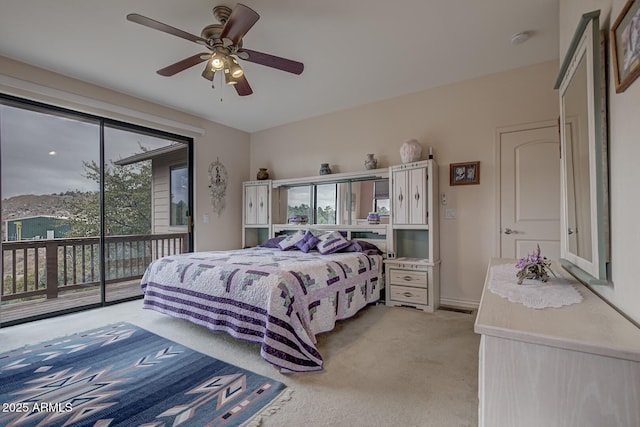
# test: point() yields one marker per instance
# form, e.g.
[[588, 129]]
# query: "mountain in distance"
[[28, 205]]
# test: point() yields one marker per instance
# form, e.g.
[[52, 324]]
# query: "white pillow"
[[290, 242], [332, 242]]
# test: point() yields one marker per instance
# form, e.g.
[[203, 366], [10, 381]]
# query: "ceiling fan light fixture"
[[218, 60], [228, 78], [208, 73], [235, 68]]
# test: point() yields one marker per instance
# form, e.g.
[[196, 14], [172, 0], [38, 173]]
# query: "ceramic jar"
[[298, 219], [410, 151], [262, 174], [373, 218], [325, 169], [370, 162]]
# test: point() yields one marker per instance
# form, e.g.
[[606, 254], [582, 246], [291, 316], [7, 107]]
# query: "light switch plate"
[[450, 213]]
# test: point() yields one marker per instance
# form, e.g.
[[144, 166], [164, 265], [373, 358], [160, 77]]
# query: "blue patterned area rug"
[[122, 375]]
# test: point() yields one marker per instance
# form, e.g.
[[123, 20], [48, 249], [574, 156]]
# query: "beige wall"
[[624, 152], [459, 121], [231, 146]]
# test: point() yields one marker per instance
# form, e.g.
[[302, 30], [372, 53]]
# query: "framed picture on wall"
[[625, 45], [464, 173]]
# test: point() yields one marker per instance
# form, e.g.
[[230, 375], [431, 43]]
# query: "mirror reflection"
[[584, 242], [347, 203], [577, 163]]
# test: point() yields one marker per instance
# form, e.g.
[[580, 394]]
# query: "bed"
[[279, 298]]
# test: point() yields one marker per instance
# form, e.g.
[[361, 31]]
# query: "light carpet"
[[387, 366]]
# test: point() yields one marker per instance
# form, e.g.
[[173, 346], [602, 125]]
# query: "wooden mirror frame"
[[593, 267]]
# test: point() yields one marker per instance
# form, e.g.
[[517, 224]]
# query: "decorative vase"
[[373, 218], [410, 151], [325, 169], [298, 219], [370, 162], [262, 174]]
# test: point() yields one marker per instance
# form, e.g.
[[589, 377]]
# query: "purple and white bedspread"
[[280, 299]]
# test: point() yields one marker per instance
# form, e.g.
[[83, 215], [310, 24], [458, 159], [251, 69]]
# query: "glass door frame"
[[32, 105]]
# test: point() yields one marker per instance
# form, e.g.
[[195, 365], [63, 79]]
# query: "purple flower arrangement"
[[534, 266]]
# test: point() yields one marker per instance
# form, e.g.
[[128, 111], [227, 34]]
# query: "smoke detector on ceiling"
[[521, 37]]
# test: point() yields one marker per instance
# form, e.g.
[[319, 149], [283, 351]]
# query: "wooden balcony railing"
[[36, 268]]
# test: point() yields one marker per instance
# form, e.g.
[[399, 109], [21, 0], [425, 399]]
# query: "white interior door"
[[530, 192]]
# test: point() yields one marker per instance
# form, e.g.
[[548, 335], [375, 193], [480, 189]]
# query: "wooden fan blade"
[[272, 61], [151, 23], [240, 21], [183, 65], [242, 87]]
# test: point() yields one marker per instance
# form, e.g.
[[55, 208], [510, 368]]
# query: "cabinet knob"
[[250, 205]]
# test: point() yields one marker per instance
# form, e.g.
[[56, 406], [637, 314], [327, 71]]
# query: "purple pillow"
[[362, 246], [308, 242], [272, 243]]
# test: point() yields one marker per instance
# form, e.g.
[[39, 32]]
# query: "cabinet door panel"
[[262, 211], [418, 202], [400, 211], [250, 207]]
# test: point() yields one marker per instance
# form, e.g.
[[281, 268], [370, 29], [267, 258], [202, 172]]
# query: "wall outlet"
[[205, 219]]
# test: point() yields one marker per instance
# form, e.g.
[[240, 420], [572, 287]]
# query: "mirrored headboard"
[[584, 242]]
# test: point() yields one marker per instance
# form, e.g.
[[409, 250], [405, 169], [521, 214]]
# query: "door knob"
[[508, 231]]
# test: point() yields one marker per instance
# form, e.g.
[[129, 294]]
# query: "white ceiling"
[[355, 51]]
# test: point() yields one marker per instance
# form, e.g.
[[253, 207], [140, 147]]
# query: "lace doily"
[[556, 292]]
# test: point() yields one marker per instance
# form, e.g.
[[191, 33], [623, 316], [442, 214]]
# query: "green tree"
[[127, 201]]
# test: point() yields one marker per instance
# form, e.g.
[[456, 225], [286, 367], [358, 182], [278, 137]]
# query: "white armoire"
[[413, 267]]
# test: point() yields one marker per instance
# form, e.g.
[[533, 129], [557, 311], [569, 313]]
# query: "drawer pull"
[[407, 294], [407, 278]]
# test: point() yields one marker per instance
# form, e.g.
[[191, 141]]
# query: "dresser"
[[577, 365]]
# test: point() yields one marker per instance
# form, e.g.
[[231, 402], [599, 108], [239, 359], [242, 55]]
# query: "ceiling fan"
[[224, 42]]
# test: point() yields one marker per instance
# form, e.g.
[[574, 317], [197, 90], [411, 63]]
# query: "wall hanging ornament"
[[218, 185]]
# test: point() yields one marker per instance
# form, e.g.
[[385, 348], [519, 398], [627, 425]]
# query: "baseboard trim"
[[455, 302]]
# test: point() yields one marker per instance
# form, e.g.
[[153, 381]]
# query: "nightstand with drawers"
[[409, 282]]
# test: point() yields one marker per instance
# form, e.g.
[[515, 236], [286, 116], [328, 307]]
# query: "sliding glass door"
[[87, 203], [47, 251], [145, 205]]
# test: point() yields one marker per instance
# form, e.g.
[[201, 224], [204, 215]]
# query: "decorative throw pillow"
[[289, 242], [332, 242], [272, 243], [362, 246], [308, 242]]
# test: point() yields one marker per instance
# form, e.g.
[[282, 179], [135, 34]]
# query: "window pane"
[[298, 199], [50, 260], [179, 195], [326, 196], [137, 194], [383, 207]]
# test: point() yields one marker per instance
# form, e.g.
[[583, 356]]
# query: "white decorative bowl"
[[410, 151]]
